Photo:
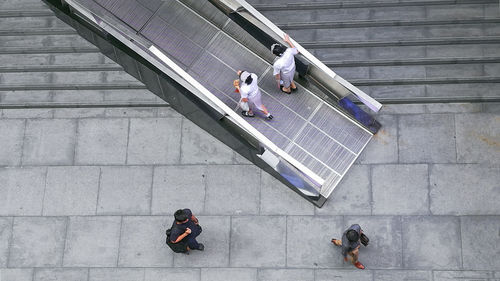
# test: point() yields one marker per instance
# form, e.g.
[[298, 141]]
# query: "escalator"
[[187, 52]]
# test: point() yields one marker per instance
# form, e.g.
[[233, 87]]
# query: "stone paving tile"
[[116, 274], [306, 252], [385, 247], [476, 232], [249, 249], [5, 238], [125, 191], [383, 148], [215, 237], [454, 107], [464, 275], [406, 183], [132, 112], [278, 199], [61, 274], [142, 242], [478, 138], [228, 274], [28, 113], [285, 274], [11, 141], [37, 242], [238, 183], [343, 275], [169, 274], [198, 147], [454, 189], [431, 242], [427, 138], [78, 113], [49, 142], [178, 187], [154, 141], [71, 191], [399, 275], [22, 191], [16, 274], [352, 196], [102, 141], [92, 242]]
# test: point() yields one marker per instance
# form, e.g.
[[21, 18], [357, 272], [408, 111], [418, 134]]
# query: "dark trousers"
[[191, 238]]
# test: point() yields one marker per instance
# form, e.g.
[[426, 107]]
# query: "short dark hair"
[[249, 80], [180, 215], [352, 235], [279, 49]]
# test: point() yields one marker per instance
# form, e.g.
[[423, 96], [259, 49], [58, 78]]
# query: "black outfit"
[[179, 229]]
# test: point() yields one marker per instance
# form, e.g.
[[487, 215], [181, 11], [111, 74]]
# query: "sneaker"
[[270, 117], [246, 114], [359, 265], [201, 247]]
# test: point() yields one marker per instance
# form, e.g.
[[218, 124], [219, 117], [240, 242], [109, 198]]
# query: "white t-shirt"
[[286, 62], [249, 91]]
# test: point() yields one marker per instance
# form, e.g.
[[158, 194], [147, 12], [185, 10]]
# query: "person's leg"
[[286, 82], [292, 84], [193, 244], [257, 102]]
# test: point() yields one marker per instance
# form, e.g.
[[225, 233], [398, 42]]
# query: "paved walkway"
[[89, 198]]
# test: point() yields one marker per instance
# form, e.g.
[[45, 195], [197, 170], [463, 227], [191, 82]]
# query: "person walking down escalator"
[[284, 66], [250, 94]]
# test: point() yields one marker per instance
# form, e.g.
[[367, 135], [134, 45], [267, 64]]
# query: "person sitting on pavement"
[[350, 244], [186, 228], [249, 92], [284, 66]]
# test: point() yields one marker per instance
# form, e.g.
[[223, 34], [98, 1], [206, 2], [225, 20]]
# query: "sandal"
[[281, 88], [246, 114], [294, 89]]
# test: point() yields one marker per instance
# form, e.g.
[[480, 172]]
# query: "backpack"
[[180, 247]]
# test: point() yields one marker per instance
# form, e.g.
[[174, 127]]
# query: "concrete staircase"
[[447, 50], [45, 63], [396, 51]]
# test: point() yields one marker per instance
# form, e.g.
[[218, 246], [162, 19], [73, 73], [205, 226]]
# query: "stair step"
[[48, 50], [419, 61], [25, 13], [425, 81], [41, 41], [38, 31], [60, 68], [56, 87], [381, 23], [406, 42], [365, 4], [79, 77]]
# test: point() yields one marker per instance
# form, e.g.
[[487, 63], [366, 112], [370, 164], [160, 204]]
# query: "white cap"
[[244, 75]]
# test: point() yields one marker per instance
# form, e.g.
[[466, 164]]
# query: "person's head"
[[245, 76], [180, 216], [352, 235], [278, 49]]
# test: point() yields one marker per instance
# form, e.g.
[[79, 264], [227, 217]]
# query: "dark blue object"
[[363, 117]]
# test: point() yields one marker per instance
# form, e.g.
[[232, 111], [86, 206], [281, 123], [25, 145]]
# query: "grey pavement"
[[87, 193]]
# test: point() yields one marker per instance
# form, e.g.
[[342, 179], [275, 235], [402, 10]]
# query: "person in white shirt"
[[284, 66], [250, 93]]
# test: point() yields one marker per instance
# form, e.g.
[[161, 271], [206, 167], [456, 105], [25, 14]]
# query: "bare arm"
[[182, 236], [278, 78], [288, 41]]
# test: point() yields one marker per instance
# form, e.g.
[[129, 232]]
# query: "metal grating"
[[314, 133]]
